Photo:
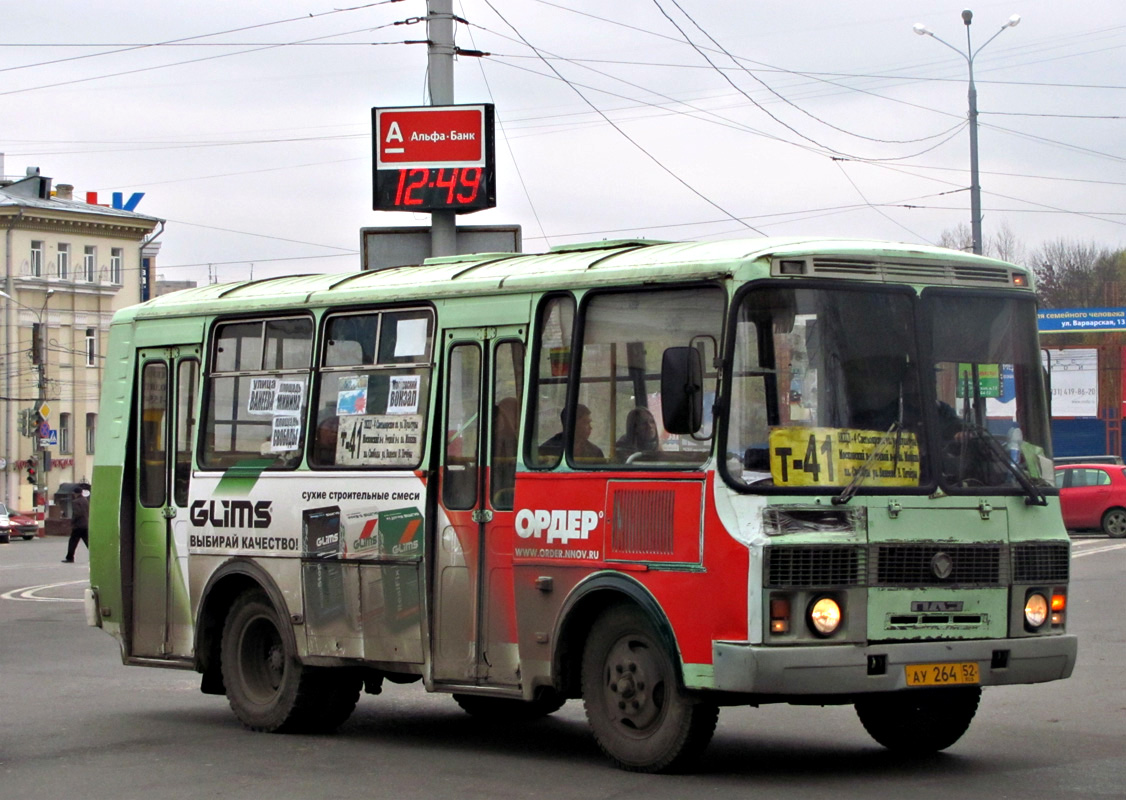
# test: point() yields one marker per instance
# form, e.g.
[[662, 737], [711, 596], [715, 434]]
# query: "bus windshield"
[[990, 406], [829, 389]]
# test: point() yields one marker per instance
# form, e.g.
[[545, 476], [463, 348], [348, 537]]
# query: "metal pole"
[[440, 71], [41, 469], [975, 184]]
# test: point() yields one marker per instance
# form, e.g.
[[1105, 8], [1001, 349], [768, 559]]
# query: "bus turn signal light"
[[779, 614], [1059, 605]]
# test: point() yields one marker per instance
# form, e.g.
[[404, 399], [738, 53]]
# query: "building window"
[[37, 259], [63, 261], [64, 434], [91, 433], [116, 260], [89, 257], [91, 347]]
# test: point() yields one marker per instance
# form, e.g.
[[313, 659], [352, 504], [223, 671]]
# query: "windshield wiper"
[[1033, 496], [864, 471]]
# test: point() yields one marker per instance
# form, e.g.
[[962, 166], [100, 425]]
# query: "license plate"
[[942, 674]]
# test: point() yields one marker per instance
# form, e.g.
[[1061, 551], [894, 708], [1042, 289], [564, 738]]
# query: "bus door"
[[168, 385], [475, 621]]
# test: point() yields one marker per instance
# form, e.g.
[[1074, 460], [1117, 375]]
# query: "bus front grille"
[[1041, 562], [938, 565], [822, 566], [914, 564]]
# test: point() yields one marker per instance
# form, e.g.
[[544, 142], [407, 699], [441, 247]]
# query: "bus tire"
[[503, 709], [1114, 523], [921, 721], [267, 687], [639, 716]]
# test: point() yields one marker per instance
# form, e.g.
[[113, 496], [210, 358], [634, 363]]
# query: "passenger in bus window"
[[324, 443], [506, 422], [640, 436], [584, 448]]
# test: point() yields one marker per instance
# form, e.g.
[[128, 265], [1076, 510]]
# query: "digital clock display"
[[434, 158], [435, 188]]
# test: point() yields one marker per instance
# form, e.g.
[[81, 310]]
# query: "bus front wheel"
[[638, 714], [919, 721], [267, 687]]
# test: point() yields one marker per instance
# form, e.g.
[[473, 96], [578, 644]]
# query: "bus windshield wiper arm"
[[862, 473], [1034, 497]]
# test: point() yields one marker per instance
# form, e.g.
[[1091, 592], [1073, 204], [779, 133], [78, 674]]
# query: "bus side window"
[[373, 376], [553, 369], [257, 385], [508, 385], [459, 484]]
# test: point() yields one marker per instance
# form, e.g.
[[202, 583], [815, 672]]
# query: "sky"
[[247, 125]]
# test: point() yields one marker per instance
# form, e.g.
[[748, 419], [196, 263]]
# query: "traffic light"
[[32, 476]]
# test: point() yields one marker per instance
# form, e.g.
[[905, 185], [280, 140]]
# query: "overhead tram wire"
[[771, 89], [813, 147], [503, 130], [625, 135], [205, 58], [183, 40], [868, 203], [719, 118], [712, 66]]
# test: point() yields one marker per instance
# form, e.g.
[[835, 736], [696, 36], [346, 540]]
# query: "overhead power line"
[[625, 135], [125, 48]]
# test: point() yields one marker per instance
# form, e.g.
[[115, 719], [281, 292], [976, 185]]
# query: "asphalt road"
[[76, 723]]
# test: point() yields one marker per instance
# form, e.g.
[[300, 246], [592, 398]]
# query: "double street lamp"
[[40, 360], [975, 185]]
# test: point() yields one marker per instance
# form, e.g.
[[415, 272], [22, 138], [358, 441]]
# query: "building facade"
[[68, 266]]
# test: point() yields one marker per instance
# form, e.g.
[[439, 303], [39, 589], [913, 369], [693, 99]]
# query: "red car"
[[13, 523], [1093, 497]]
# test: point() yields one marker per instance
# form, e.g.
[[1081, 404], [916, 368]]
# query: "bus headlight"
[[825, 616], [1035, 610]]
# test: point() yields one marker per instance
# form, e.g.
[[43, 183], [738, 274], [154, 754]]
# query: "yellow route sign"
[[834, 457]]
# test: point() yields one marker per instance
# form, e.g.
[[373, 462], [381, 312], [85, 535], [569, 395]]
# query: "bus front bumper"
[[858, 669]]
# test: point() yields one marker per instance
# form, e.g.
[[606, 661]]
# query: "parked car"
[[1061, 460], [12, 522], [23, 524], [1093, 497]]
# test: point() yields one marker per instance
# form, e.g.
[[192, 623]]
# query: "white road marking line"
[[1104, 549], [29, 593]]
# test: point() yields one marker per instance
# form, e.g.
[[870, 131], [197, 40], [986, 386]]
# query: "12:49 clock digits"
[[436, 188]]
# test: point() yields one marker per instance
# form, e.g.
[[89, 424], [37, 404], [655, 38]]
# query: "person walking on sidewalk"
[[79, 522]]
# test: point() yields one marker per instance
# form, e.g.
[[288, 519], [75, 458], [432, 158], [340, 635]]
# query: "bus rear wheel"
[[920, 721], [639, 716], [267, 687]]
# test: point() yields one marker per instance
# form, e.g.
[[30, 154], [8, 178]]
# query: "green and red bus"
[[658, 477]]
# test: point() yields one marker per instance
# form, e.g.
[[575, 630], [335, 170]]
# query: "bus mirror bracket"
[[682, 390]]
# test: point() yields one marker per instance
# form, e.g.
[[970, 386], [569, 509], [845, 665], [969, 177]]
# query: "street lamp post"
[[41, 381], [975, 184]]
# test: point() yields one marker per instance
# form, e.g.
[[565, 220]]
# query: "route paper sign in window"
[[835, 456]]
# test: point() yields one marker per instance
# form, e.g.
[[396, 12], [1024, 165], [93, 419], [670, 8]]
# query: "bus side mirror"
[[682, 390]]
